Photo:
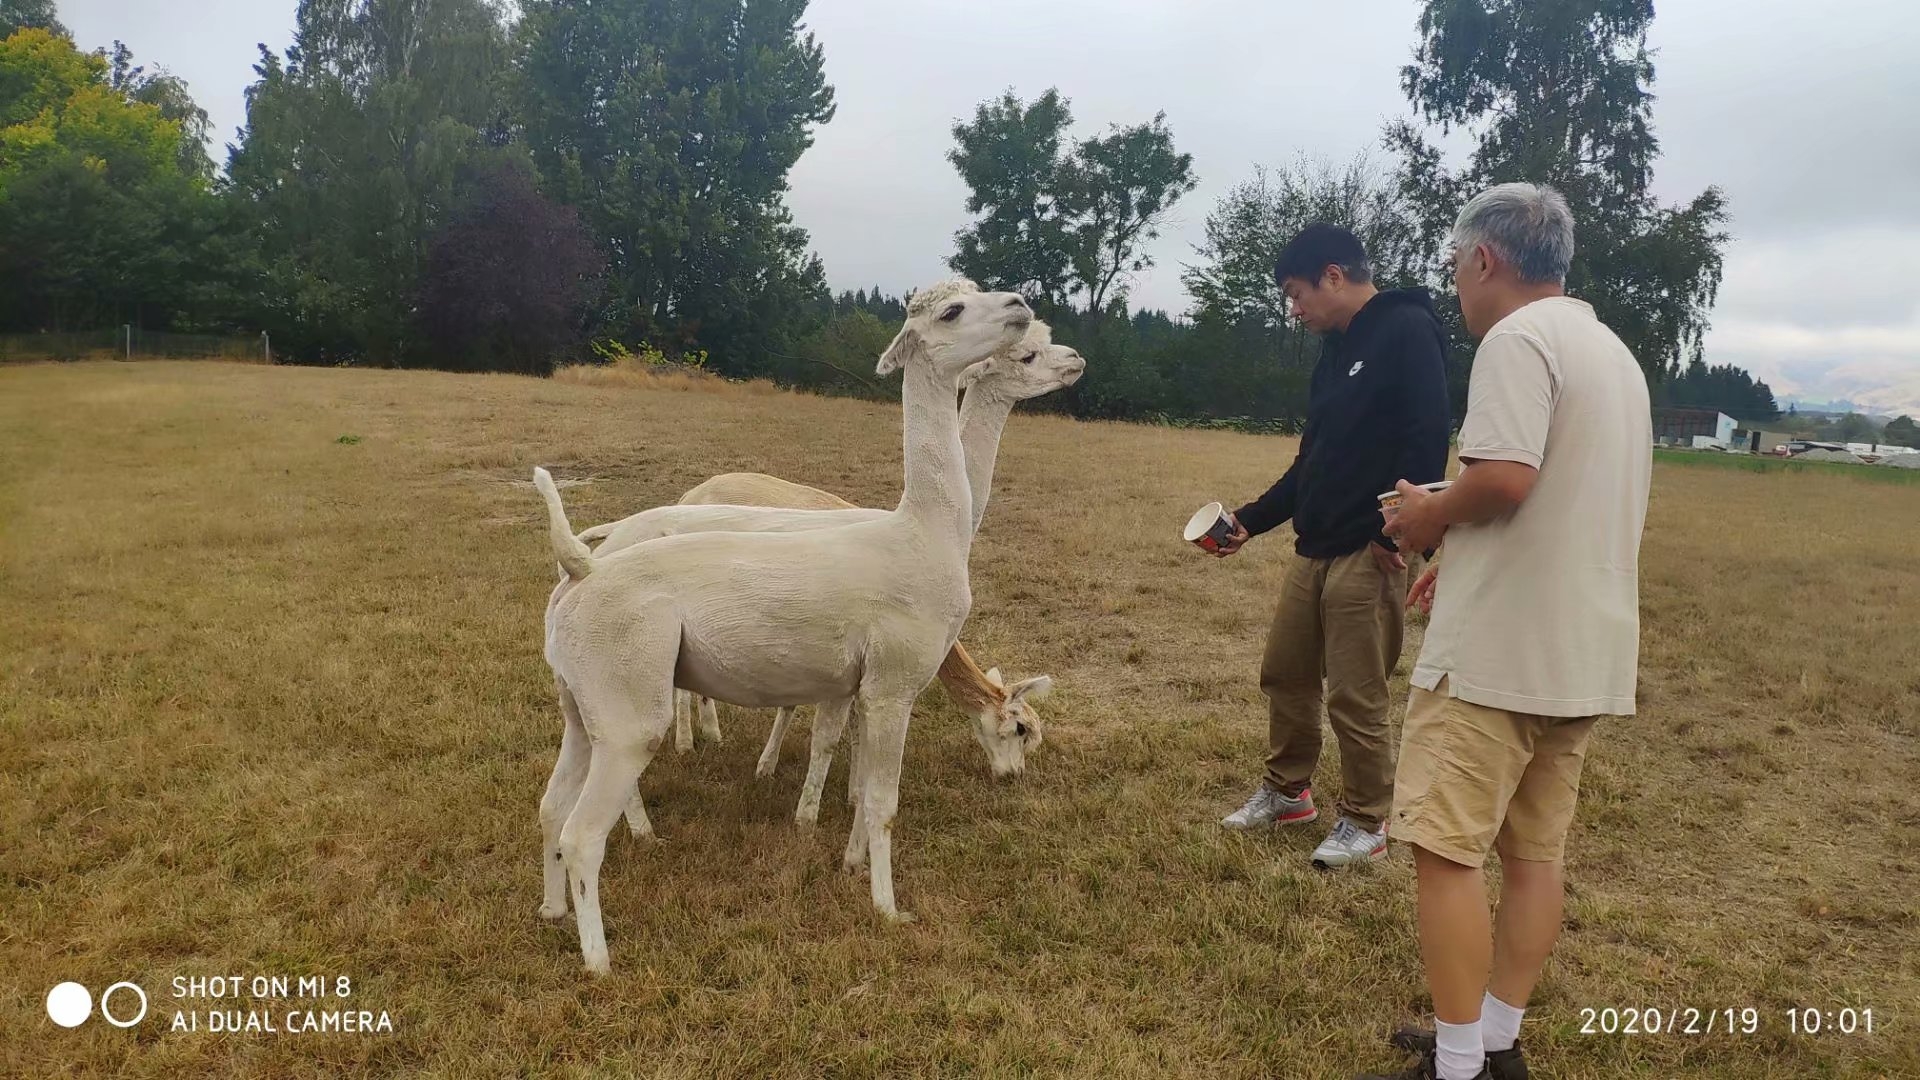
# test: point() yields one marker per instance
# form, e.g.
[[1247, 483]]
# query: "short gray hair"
[[1527, 225]]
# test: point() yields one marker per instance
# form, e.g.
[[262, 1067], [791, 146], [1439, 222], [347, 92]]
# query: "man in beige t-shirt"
[[1535, 629], [1539, 611]]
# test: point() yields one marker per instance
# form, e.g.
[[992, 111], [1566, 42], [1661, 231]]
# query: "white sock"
[[1499, 1023], [1458, 1054]]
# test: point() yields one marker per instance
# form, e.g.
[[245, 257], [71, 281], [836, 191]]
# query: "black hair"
[[1319, 246]]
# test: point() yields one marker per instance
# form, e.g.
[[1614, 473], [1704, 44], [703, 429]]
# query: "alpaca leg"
[[583, 842], [856, 854], [682, 721], [855, 857], [770, 756], [829, 720], [624, 740], [710, 722], [853, 759], [884, 724], [639, 826], [625, 703], [563, 790]]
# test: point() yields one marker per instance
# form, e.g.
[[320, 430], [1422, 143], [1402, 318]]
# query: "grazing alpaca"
[[1004, 722], [858, 616]]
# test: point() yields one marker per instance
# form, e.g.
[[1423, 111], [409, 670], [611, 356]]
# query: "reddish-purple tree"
[[510, 279]]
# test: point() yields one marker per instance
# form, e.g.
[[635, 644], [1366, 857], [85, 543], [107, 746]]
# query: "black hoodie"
[[1377, 414]]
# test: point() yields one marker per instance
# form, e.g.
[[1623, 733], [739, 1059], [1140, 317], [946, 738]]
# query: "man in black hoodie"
[[1377, 413]]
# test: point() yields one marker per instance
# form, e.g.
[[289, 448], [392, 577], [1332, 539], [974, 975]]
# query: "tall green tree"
[[348, 162], [168, 93], [1233, 279], [672, 126], [1902, 431], [29, 15], [1115, 191], [1561, 92], [1254, 347], [1722, 387], [1009, 158], [103, 219], [1059, 223]]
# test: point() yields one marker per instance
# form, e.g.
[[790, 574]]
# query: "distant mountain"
[[1831, 408], [1838, 407]]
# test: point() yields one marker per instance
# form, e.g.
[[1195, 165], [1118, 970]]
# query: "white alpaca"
[[1004, 722], [858, 615]]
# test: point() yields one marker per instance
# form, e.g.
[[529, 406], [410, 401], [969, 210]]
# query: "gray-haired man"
[[1535, 630]]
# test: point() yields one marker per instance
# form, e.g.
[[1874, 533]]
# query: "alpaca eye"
[[952, 312], [1020, 730], [1029, 358]]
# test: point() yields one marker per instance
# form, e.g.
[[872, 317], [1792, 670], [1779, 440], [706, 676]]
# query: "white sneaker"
[[1348, 844], [1271, 807]]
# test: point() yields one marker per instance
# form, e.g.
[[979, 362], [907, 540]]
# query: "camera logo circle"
[[69, 1004], [116, 1021]]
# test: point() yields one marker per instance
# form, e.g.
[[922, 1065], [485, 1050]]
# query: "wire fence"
[[132, 343]]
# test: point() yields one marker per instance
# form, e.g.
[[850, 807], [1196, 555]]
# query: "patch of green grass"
[[1750, 463]]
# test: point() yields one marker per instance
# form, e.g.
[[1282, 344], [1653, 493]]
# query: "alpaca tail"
[[597, 532], [572, 555]]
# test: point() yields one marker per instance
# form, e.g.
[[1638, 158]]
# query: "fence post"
[[266, 346], [128, 327]]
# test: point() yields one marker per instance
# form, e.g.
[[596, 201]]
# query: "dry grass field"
[[272, 703]]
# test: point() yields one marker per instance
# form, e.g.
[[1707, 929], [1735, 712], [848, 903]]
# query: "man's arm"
[[1270, 511], [1503, 442], [1484, 491], [1421, 405]]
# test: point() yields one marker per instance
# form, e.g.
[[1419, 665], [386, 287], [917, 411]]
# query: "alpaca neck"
[[983, 417], [967, 684], [936, 494]]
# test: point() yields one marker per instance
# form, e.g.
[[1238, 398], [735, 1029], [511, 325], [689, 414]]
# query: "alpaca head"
[[1033, 366], [1009, 728], [952, 325]]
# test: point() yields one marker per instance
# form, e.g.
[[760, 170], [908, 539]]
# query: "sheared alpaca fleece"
[[863, 612]]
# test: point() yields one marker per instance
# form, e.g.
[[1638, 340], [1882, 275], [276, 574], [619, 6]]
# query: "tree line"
[[1721, 387], [1849, 427], [474, 185]]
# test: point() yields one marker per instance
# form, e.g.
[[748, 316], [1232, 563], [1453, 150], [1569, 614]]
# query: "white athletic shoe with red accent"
[[1271, 807], [1348, 844]]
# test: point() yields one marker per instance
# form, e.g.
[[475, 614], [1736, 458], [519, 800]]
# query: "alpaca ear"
[[906, 344], [1034, 689], [993, 676], [973, 374]]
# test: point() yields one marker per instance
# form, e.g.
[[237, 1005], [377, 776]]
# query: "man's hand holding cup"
[[1216, 531], [1412, 516]]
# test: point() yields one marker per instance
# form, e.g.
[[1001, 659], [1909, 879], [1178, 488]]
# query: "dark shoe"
[[1501, 1064], [1420, 1070]]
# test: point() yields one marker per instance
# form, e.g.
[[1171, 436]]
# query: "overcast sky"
[[1803, 113]]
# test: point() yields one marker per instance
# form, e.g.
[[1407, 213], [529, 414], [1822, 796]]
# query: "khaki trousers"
[[1337, 632]]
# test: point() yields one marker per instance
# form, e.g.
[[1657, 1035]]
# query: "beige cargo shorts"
[[1472, 779]]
